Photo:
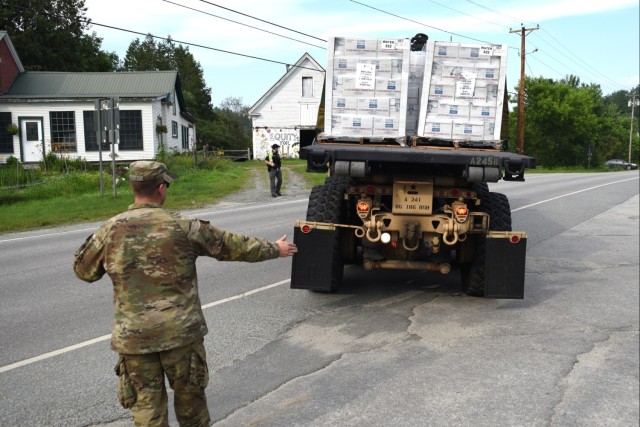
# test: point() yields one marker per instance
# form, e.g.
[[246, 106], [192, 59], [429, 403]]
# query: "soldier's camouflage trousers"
[[141, 386]]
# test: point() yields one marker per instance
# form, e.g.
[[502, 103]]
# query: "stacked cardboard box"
[[450, 91], [463, 91], [369, 86]]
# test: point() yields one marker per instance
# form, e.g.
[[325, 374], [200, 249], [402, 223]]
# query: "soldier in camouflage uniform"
[[150, 255]]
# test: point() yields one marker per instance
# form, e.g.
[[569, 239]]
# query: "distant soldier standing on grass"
[[150, 255], [275, 174]]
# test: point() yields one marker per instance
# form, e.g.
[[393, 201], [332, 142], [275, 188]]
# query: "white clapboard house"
[[287, 113], [53, 112]]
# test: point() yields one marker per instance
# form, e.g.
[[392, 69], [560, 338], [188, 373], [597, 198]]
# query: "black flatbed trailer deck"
[[513, 164]]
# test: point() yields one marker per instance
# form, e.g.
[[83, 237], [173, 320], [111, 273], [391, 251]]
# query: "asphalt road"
[[389, 349]]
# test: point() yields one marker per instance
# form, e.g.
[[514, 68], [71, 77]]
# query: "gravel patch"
[[257, 188]]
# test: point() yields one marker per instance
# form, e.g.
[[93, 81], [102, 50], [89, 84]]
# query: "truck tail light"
[[460, 212], [363, 207]]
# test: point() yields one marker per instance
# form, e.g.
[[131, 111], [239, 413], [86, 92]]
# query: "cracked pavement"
[[427, 355]]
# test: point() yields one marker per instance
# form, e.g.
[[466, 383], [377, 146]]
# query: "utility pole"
[[523, 33], [633, 101]]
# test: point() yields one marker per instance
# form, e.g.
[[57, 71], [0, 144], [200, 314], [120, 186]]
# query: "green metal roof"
[[134, 84]]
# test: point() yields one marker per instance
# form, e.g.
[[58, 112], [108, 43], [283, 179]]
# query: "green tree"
[[566, 120], [226, 127], [621, 99], [233, 122], [150, 55], [51, 36], [192, 78]]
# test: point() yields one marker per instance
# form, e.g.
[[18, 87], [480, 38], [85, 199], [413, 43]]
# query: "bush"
[[12, 175]]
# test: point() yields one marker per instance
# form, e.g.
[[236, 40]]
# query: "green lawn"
[[60, 199]]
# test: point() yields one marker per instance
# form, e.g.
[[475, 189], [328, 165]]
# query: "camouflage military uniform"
[[150, 255]]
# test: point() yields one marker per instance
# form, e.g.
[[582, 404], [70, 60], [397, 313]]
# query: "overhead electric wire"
[[91, 22], [552, 69], [200, 46], [471, 16], [245, 25], [262, 20], [510, 18], [610, 82], [580, 59], [419, 23]]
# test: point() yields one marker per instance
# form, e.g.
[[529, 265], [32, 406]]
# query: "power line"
[[200, 46], [416, 22], [471, 16], [262, 20], [88, 21], [511, 18], [580, 59], [611, 82], [245, 25]]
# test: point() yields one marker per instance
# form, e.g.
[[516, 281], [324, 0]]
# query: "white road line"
[[50, 234], [107, 337], [571, 194]]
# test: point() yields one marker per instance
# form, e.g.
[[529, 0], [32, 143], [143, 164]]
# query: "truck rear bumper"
[[504, 261]]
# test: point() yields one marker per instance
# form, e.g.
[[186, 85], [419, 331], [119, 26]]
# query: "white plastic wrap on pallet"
[[367, 82], [463, 91]]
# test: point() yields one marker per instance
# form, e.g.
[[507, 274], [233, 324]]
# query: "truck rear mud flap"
[[311, 268], [505, 264]]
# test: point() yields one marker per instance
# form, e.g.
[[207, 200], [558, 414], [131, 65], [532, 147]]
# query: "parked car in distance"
[[620, 164]]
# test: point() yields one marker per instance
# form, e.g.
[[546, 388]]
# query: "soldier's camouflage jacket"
[[150, 255]]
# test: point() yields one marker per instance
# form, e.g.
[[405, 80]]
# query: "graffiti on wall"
[[287, 139]]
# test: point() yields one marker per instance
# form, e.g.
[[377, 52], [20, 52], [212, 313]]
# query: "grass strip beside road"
[[62, 200]]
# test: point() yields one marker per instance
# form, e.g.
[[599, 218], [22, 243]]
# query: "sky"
[[598, 41]]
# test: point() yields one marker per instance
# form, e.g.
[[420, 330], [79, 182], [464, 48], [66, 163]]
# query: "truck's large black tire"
[[326, 205], [472, 273]]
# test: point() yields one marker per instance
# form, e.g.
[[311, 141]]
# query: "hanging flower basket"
[[12, 129], [160, 128]]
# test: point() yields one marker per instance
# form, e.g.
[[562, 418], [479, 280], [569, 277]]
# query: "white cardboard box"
[[345, 105], [373, 106], [352, 125], [386, 126], [438, 129], [473, 131], [388, 87]]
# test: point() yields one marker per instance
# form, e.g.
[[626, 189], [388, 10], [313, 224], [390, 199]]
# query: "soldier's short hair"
[[145, 188]]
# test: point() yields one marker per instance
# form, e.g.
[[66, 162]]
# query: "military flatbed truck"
[[412, 203]]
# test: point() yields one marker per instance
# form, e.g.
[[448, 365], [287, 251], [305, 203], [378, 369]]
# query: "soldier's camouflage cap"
[[145, 170]]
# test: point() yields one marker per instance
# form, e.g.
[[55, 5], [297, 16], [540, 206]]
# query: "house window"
[[130, 130], [185, 138], [31, 129], [307, 87], [90, 137], [174, 129], [63, 130], [6, 139]]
